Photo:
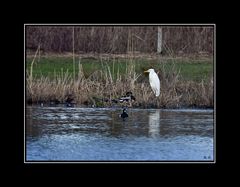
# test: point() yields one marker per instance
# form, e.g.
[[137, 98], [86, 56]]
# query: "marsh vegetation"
[[185, 82]]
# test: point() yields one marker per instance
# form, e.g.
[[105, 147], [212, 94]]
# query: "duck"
[[124, 114]]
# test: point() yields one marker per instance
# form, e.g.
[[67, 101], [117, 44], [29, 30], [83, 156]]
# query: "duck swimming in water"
[[124, 114]]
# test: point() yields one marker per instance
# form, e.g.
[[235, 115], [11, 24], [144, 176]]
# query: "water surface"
[[98, 134]]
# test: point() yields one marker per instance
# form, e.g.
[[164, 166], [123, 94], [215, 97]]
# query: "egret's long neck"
[[150, 73]]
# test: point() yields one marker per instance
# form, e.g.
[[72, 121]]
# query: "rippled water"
[[98, 134]]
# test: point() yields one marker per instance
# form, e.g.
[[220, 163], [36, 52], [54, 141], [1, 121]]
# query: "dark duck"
[[124, 114]]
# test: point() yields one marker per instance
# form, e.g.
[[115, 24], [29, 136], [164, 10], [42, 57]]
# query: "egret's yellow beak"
[[145, 71]]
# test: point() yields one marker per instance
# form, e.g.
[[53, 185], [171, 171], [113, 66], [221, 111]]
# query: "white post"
[[159, 44]]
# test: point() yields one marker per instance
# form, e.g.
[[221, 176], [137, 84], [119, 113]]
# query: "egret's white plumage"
[[154, 81]]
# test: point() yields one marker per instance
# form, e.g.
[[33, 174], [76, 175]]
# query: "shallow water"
[[98, 134]]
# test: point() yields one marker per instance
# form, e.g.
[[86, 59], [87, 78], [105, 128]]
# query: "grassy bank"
[[189, 69], [185, 82]]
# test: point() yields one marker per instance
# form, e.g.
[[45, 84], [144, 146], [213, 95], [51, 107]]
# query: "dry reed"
[[101, 87]]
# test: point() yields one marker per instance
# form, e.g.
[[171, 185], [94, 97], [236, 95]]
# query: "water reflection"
[[99, 134], [154, 124]]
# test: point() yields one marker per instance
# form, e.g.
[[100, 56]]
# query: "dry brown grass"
[[101, 85]]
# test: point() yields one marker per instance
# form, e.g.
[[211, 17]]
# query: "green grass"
[[195, 71], [189, 69]]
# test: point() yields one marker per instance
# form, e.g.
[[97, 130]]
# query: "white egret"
[[154, 81]]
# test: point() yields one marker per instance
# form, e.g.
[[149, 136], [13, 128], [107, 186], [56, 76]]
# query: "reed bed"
[[106, 83]]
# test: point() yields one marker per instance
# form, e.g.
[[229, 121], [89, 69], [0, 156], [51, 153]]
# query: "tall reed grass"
[[107, 83]]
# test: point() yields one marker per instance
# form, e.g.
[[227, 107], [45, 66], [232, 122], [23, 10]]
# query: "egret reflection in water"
[[154, 124], [90, 134]]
